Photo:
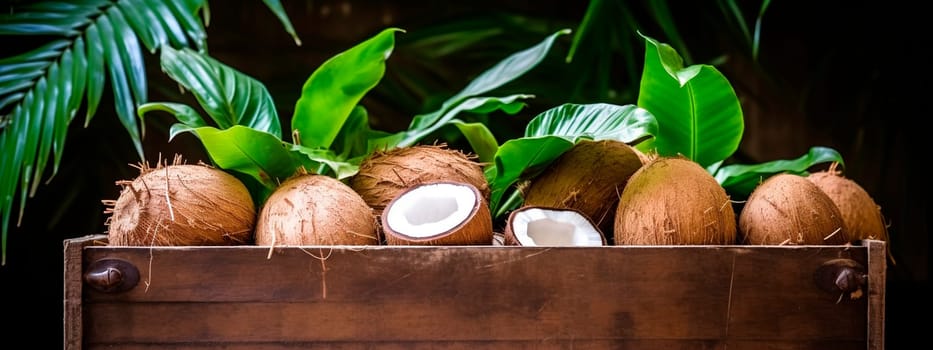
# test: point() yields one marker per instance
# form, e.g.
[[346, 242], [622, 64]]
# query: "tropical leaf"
[[334, 89], [90, 42], [265, 158], [228, 96], [276, 7], [500, 74], [555, 131], [698, 113], [741, 179], [42, 89]]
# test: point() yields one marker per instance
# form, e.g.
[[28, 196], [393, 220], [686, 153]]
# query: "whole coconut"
[[862, 216], [789, 209], [312, 209], [181, 205], [674, 201], [587, 178], [383, 175]]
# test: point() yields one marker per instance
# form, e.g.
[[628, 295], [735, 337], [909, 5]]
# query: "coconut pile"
[[598, 193]]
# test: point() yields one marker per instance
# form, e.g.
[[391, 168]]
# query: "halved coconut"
[[312, 209], [788, 209], [181, 204], [438, 213], [542, 226], [383, 175], [589, 178]]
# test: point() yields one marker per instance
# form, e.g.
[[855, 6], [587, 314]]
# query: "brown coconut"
[[383, 175], [312, 209], [674, 201], [862, 216], [438, 213], [588, 178], [181, 204], [788, 209]]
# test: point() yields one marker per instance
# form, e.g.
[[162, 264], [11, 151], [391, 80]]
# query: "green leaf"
[[326, 162], [481, 140], [555, 131], [228, 96], [521, 158], [187, 116], [124, 102], [741, 179], [598, 121], [276, 7], [351, 140], [420, 128], [698, 113], [503, 72], [95, 71], [335, 88], [264, 157], [507, 70]]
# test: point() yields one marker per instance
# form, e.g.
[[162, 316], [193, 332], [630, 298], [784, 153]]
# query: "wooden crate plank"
[[475, 293], [73, 283], [877, 275], [576, 344]]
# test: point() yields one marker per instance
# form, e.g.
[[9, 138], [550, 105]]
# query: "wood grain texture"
[[672, 297]]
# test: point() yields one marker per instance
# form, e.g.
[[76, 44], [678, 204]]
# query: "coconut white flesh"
[[540, 227], [431, 210]]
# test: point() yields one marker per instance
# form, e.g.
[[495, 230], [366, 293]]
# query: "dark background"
[[847, 75]]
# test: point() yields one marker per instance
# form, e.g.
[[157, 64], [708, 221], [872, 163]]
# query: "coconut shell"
[[474, 229], [383, 175], [588, 178], [559, 217], [674, 201], [862, 216], [181, 205], [311, 209], [788, 209]]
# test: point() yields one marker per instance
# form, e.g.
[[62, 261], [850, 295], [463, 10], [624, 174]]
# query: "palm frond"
[[42, 90]]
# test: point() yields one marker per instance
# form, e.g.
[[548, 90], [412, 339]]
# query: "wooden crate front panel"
[[684, 297]]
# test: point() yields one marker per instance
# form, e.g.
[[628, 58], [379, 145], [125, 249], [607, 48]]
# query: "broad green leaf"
[[481, 140], [506, 70], [264, 157], [521, 158], [335, 88], [503, 72], [325, 162], [228, 96], [698, 113], [598, 121], [352, 139], [555, 131], [741, 179], [480, 105], [185, 114]]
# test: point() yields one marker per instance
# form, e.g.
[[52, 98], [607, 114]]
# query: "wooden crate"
[[654, 297]]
